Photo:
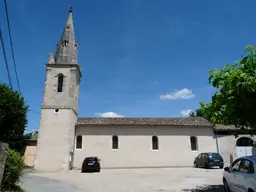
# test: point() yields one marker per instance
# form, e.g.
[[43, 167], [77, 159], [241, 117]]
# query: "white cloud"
[[178, 94], [108, 114], [185, 113]]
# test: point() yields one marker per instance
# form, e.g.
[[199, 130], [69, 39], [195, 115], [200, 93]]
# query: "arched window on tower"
[[193, 143], [114, 142], [155, 143], [79, 142], [60, 82]]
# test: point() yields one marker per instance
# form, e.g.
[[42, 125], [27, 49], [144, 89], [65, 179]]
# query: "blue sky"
[[134, 54]]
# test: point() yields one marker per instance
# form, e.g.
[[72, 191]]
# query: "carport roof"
[[220, 127], [190, 121], [232, 128], [34, 136]]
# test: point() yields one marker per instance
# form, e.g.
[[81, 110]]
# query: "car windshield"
[[215, 155], [91, 159]]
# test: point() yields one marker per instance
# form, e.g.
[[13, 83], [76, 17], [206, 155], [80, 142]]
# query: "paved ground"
[[126, 180]]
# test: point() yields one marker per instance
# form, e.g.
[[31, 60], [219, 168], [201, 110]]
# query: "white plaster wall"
[[29, 155], [135, 145], [55, 140], [68, 98], [227, 146], [57, 130]]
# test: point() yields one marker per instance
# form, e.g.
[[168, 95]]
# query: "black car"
[[209, 160], [91, 164]]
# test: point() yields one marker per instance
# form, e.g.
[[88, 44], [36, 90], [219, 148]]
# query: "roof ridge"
[[141, 117], [182, 121]]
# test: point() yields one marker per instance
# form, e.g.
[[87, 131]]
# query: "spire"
[[50, 58], [66, 52]]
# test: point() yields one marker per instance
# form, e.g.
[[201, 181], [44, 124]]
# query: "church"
[[64, 139]]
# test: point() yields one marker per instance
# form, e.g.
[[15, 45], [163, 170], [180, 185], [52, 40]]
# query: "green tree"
[[205, 112], [197, 113], [235, 99], [192, 114], [13, 118]]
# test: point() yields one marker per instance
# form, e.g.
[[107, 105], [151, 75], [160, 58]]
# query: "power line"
[[10, 36], [5, 58], [13, 57], [33, 111]]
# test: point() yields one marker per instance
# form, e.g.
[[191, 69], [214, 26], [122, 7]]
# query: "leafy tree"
[[192, 114], [200, 112], [235, 99], [197, 113], [207, 112], [13, 117]]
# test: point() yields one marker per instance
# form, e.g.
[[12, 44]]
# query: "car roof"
[[91, 157], [252, 158]]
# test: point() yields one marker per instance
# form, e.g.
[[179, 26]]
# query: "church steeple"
[[60, 105], [66, 52]]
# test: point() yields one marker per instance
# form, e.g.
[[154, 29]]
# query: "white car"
[[241, 175]]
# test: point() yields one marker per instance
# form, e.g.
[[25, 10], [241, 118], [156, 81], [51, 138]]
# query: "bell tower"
[[60, 104]]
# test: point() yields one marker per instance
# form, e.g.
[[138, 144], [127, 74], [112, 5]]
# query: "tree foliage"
[[235, 99], [197, 113], [12, 172], [13, 117], [205, 111], [192, 114]]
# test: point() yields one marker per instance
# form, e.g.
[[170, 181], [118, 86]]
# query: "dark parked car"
[[209, 160], [91, 164]]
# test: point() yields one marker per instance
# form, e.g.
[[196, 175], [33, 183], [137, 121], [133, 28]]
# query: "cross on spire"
[[70, 5]]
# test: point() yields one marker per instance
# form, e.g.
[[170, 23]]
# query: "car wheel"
[[207, 166], [221, 167], [195, 164], [226, 187]]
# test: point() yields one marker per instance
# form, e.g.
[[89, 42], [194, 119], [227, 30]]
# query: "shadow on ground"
[[206, 188], [32, 183]]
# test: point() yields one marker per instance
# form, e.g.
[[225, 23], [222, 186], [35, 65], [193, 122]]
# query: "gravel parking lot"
[[126, 180]]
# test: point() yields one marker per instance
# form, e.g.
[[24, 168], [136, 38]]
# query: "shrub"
[[13, 170]]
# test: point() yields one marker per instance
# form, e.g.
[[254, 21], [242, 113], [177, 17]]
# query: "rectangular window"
[[193, 143], [60, 83], [115, 142], [154, 143], [79, 141]]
